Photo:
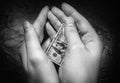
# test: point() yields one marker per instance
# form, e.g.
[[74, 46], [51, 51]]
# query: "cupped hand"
[[81, 62], [37, 65]]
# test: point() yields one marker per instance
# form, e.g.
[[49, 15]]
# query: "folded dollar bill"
[[56, 49]]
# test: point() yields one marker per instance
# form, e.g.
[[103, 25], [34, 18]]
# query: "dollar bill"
[[56, 49]]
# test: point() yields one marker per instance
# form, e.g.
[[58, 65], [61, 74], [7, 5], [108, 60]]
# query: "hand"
[[35, 61], [84, 51]]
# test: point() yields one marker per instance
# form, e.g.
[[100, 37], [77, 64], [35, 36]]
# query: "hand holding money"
[[78, 54], [56, 49], [36, 63], [84, 49]]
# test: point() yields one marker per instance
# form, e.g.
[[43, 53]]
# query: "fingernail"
[[46, 7], [53, 8], [26, 26], [63, 4]]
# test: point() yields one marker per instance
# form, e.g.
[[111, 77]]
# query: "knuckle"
[[57, 24], [70, 20], [71, 28], [70, 23]]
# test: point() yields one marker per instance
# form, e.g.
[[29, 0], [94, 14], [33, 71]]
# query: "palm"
[[81, 59]]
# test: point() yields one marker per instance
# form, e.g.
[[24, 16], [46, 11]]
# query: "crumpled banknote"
[[56, 49]]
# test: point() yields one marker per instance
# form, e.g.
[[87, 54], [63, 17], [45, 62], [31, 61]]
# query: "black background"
[[106, 12]]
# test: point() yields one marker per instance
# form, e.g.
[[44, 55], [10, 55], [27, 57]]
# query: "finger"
[[71, 34], [54, 20], [46, 44], [59, 14], [24, 57], [51, 32], [40, 22], [70, 29], [82, 23], [90, 37]]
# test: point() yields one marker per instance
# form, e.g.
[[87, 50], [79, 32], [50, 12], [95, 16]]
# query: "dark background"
[[104, 12]]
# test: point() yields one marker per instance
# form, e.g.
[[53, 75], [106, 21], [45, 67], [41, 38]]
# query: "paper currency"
[[56, 49]]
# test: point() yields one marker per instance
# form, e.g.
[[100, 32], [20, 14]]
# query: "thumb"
[[33, 48]]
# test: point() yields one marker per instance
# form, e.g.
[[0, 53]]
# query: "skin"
[[82, 58], [81, 62], [35, 61]]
